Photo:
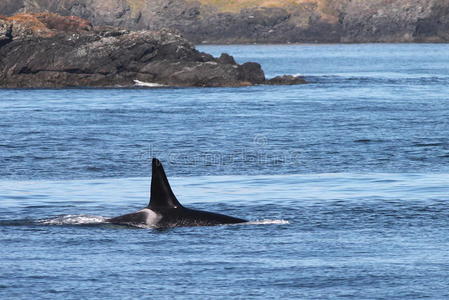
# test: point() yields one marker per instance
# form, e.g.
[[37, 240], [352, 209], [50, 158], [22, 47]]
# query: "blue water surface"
[[345, 181]]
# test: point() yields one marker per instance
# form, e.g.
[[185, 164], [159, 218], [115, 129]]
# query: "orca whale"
[[164, 210]]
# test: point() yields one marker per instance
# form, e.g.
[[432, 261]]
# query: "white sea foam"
[[147, 84], [73, 220], [267, 222], [258, 222]]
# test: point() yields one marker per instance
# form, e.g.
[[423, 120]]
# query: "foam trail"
[[73, 220], [267, 222], [92, 220]]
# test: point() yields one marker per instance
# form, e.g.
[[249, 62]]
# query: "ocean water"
[[345, 182]]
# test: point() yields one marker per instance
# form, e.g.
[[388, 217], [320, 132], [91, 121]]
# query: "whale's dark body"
[[164, 210]]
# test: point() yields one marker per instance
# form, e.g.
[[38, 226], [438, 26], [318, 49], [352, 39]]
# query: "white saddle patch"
[[151, 217]]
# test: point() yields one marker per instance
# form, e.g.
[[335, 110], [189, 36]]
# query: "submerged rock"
[[48, 50]]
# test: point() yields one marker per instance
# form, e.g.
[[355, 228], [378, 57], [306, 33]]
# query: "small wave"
[[268, 222], [7, 146], [73, 220], [429, 144], [378, 79], [367, 141], [20, 222]]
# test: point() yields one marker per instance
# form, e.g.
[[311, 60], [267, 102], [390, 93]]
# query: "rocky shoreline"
[[51, 51], [264, 21]]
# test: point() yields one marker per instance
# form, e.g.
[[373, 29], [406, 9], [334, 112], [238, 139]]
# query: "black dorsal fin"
[[161, 194]]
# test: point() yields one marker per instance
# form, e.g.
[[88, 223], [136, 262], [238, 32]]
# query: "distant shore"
[[273, 21]]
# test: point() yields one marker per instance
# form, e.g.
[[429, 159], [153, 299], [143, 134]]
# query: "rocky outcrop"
[[47, 50], [269, 21]]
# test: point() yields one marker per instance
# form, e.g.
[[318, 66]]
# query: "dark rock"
[[251, 72], [286, 80], [226, 59], [47, 50], [435, 26]]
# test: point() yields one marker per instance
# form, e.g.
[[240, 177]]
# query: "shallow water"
[[344, 180]]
